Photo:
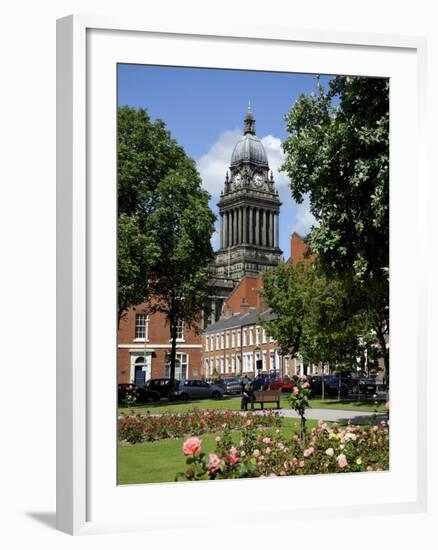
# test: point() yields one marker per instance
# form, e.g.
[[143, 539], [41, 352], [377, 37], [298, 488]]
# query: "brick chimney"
[[244, 306], [226, 310]]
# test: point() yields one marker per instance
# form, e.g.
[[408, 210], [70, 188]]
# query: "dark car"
[[231, 385], [261, 382], [196, 389], [331, 386], [135, 394], [284, 384], [163, 386], [370, 386]]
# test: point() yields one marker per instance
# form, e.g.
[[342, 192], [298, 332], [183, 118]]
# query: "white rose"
[[329, 452]]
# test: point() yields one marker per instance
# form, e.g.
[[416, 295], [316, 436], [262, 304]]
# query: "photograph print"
[[253, 274]]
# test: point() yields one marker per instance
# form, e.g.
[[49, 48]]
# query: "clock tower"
[[249, 210]]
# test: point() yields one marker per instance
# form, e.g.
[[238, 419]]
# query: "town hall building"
[[249, 210]]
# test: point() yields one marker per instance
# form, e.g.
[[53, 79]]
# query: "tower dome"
[[249, 148]]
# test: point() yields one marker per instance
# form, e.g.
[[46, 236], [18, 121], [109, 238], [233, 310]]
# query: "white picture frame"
[[87, 49]]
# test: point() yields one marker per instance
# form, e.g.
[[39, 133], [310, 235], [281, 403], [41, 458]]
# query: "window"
[[263, 336], [181, 366], [233, 339], [217, 341], [180, 330], [141, 326], [245, 337], [257, 335], [250, 336], [222, 341], [227, 340], [222, 365], [238, 339], [206, 343]]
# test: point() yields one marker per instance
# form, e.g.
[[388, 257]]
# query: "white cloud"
[[215, 163], [275, 154], [215, 241], [304, 219]]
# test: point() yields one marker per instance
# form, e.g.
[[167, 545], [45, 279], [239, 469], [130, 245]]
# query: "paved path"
[[338, 415]]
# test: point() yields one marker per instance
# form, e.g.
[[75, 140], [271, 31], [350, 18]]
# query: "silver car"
[[197, 389]]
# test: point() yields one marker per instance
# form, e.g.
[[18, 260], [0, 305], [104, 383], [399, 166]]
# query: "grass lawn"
[[233, 404], [160, 461]]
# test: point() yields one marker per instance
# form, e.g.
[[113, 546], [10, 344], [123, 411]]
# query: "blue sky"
[[204, 110]]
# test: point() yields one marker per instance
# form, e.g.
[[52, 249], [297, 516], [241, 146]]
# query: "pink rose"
[[301, 464], [296, 390], [308, 452], [369, 468], [233, 458], [267, 450], [306, 385], [303, 378], [248, 423], [342, 461], [213, 463], [282, 473], [266, 440], [256, 453], [192, 446]]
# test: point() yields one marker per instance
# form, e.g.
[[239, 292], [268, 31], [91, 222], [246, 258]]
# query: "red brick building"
[[144, 344]]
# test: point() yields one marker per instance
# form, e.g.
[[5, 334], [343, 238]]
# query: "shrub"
[[329, 449], [139, 428]]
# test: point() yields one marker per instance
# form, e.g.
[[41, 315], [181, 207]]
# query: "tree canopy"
[[164, 224], [337, 155]]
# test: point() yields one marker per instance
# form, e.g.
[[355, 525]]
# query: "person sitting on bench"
[[247, 395]]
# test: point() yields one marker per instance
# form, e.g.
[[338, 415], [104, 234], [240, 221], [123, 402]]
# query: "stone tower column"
[[277, 230], [257, 226], [235, 226], [264, 216], [251, 226], [271, 228], [245, 227], [221, 231]]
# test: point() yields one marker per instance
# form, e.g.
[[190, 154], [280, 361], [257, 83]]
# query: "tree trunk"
[[303, 430], [385, 354], [339, 386]]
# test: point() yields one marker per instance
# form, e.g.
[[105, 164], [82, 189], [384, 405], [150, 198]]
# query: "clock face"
[[258, 180]]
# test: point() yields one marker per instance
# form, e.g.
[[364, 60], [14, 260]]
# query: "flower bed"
[[260, 454], [140, 428]]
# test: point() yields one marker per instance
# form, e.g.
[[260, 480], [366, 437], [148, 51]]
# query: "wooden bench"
[[267, 396]]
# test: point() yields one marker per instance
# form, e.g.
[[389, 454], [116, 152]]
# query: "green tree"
[[182, 223], [337, 154], [284, 290], [146, 154]]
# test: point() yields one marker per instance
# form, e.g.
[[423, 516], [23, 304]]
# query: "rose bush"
[[139, 428], [261, 453], [299, 400]]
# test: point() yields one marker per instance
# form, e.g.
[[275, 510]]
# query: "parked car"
[[284, 384], [164, 386], [231, 385], [331, 386], [196, 389], [370, 386], [140, 395]]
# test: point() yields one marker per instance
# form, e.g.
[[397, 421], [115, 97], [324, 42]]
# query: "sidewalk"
[[337, 415]]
